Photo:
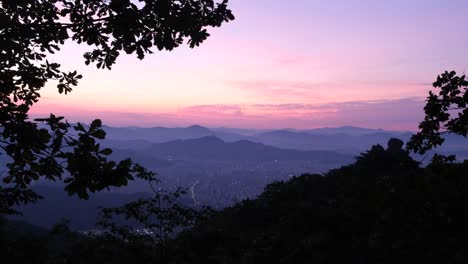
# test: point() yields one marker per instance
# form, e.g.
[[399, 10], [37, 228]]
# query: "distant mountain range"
[[342, 142], [347, 130], [213, 148], [165, 134], [346, 139], [349, 140], [157, 134], [312, 139]]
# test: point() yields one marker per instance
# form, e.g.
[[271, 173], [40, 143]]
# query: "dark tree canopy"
[[446, 112], [31, 30]]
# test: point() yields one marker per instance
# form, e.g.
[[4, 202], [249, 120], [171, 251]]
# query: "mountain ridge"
[[212, 147]]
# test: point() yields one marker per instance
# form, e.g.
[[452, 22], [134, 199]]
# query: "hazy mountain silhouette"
[[315, 139], [232, 136], [134, 144], [213, 148], [332, 139], [348, 130], [346, 139], [157, 134]]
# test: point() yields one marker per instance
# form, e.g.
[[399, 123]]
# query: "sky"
[[281, 64]]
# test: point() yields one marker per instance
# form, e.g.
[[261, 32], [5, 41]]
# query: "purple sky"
[[295, 64]]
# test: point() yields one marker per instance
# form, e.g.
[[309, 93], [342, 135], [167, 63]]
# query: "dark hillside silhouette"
[[382, 209]]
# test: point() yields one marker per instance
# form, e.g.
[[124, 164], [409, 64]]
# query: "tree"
[[446, 112], [154, 219], [31, 30]]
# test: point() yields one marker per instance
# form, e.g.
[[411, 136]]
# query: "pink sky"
[[281, 64]]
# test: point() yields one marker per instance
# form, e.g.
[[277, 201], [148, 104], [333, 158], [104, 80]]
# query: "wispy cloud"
[[284, 91], [213, 109], [278, 90], [403, 113]]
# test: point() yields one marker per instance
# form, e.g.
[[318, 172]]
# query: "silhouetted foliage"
[[155, 219], [30, 31], [446, 112]]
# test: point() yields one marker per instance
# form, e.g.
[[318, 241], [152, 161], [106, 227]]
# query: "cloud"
[[398, 114], [404, 114], [212, 109], [278, 90], [306, 91]]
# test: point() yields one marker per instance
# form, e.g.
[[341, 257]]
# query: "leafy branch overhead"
[[446, 112], [33, 29]]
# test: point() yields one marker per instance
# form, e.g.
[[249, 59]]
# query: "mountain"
[[331, 139], [157, 134], [347, 130], [233, 137], [137, 137], [133, 144], [213, 148], [238, 131], [346, 139]]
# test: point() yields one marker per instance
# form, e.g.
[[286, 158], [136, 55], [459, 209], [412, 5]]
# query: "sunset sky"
[[281, 64]]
